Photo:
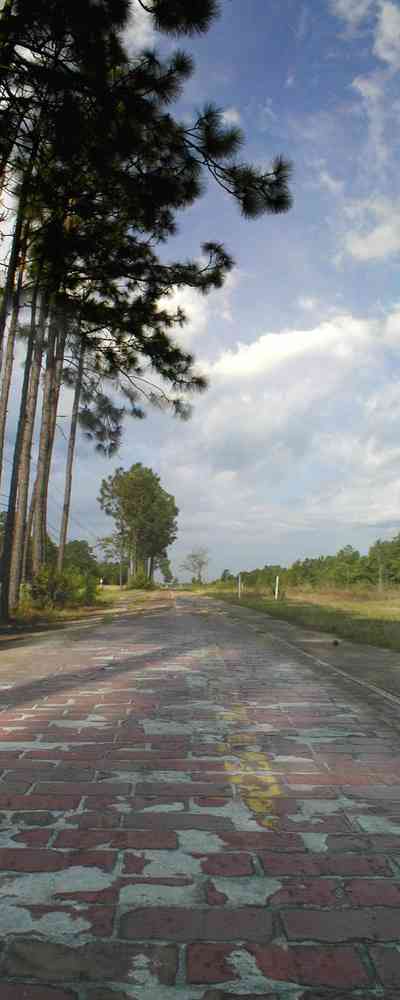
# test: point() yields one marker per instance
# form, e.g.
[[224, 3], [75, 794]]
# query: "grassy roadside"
[[376, 623], [111, 600]]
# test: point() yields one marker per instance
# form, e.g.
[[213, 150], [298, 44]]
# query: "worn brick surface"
[[188, 808]]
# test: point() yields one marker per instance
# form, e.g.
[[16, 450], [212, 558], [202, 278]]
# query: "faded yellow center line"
[[258, 791]]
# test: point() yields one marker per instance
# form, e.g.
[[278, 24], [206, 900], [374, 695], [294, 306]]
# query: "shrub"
[[53, 589], [140, 581], [90, 589]]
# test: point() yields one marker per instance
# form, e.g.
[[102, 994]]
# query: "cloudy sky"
[[294, 450]]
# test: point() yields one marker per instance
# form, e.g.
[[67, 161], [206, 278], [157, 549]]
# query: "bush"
[[140, 581], [51, 589], [90, 589]]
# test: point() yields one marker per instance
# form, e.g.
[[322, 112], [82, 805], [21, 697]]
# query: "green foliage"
[[163, 564], [348, 569], [50, 589], [79, 556], [145, 515], [140, 581]]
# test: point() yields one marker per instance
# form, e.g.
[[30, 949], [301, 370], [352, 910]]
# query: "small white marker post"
[[277, 588], [239, 586]]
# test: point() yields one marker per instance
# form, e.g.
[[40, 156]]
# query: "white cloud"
[[387, 41], [339, 337], [377, 232], [352, 11], [307, 303], [331, 184], [139, 33], [201, 310], [196, 309], [372, 92], [266, 115], [231, 116], [299, 434]]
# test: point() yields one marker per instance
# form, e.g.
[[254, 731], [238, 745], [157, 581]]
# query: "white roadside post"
[[277, 588]]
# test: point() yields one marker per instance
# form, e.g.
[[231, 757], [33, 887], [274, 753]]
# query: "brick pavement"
[[189, 811]]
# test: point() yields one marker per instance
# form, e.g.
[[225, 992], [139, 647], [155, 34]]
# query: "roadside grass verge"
[[373, 622], [110, 600]]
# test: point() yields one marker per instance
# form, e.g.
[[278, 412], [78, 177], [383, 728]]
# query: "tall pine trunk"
[[39, 537], [9, 355], [12, 499], [14, 257], [70, 456], [28, 535], [25, 459], [55, 396]]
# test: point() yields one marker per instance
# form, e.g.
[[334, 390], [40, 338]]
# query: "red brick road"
[[192, 811]]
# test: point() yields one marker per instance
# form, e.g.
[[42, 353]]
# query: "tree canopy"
[[145, 515]]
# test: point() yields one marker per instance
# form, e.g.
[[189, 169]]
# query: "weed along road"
[[192, 808]]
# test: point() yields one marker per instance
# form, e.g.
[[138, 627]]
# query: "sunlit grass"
[[361, 618]]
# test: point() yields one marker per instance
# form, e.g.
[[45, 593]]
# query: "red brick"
[[210, 802], [227, 864], [16, 786], [342, 925], [324, 864], [309, 892], [265, 840], [133, 864], [174, 924], [26, 819], [139, 803], [348, 843], [91, 859], [313, 966], [373, 892], [100, 918], [99, 961], [387, 843], [183, 789], [24, 768], [81, 755], [326, 824], [387, 962], [17, 991], [22, 860], [177, 821], [96, 820], [58, 803], [85, 788], [310, 966], [118, 839], [33, 838]]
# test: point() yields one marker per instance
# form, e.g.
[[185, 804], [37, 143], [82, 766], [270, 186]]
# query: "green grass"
[[373, 621], [108, 602]]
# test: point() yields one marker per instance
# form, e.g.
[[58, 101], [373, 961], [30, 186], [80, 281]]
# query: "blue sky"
[[295, 449]]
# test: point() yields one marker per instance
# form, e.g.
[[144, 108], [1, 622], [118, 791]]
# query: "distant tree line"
[[380, 568]]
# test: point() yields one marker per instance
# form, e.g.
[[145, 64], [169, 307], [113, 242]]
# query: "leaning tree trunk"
[[12, 499], [55, 396], [9, 355], [25, 461], [13, 261], [28, 535], [70, 457], [38, 540], [7, 38]]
